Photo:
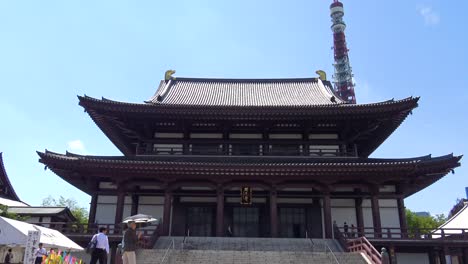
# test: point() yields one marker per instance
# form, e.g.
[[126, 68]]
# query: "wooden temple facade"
[[249, 158]]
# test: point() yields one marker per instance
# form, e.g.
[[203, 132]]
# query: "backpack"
[[121, 245], [8, 258], [91, 245]]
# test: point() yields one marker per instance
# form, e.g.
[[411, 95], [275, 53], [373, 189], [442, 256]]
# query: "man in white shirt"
[[40, 252], [102, 247]]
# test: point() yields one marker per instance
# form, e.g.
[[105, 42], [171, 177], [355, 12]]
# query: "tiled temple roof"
[[244, 160], [174, 163], [417, 172], [245, 92]]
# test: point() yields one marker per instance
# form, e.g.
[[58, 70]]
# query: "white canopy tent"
[[14, 233], [9, 202]]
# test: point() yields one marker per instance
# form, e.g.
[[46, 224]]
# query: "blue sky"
[[51, 51]]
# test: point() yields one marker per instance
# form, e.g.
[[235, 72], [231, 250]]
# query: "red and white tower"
[[343, 78]]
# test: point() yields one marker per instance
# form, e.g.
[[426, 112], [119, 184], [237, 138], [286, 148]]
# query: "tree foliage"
[[424, 223], [80, 213]]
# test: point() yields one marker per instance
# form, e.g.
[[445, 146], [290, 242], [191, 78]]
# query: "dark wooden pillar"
[[402, 215], [392, 254], [327, 216], [433, 255], [442, 255], [119, 210], [359, 217], [167, 213], [120, 206], [113, 254], [465, 256], [273, 213], [92, 209], [135, 202], [376, 215], [220, 211]]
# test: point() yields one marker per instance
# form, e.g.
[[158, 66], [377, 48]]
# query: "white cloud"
[[76, 146], [430, 16]]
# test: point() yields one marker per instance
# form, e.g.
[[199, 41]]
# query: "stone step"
[[248, 257]]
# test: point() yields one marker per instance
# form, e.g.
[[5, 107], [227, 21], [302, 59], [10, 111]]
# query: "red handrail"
[[363, 245]]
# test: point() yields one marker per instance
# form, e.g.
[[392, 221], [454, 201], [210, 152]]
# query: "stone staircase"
[[219, 250], [249, 244]]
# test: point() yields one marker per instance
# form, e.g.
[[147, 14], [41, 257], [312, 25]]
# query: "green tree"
[[5, 213], [80, 213], [418, 224]]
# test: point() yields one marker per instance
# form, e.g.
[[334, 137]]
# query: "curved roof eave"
[[4, 178], [406, 104]]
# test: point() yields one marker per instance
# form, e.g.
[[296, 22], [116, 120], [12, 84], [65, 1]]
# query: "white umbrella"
[[140, 219]]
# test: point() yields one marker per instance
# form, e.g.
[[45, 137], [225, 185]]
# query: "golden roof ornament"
[[322, 75], [168, 75]]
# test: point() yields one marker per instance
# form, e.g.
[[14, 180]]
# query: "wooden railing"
[[357, 240], [262, 148], [408, 233]]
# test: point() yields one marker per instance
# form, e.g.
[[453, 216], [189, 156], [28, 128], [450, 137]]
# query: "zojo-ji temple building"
[[252, 158]]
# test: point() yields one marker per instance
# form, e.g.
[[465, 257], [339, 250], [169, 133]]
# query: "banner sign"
[[32, 243], [246, 195]]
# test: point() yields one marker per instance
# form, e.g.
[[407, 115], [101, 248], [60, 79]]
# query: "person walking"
[[39, 254], [346, 228], [102, 247], [8, 257], [353, 231], [130, 242]]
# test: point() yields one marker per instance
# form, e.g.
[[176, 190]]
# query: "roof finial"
[[322, 75], [168, 75]]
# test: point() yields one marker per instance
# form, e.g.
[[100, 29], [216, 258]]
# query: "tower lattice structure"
[[343, 77]]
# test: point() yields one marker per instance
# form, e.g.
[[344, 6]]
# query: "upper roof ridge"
[[245, 92]]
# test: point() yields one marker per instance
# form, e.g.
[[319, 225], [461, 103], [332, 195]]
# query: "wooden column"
[[167, 213], [433, 255], [135, 202], [376, 215], [273, 213], [442, 256], [92, 209], [327, 216], [113, 254], [120, 209], [392, 254], [359, 217], [402, 215], [220, 211], [465, 256]]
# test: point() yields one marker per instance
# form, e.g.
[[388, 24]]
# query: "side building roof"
[[43, 211]]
